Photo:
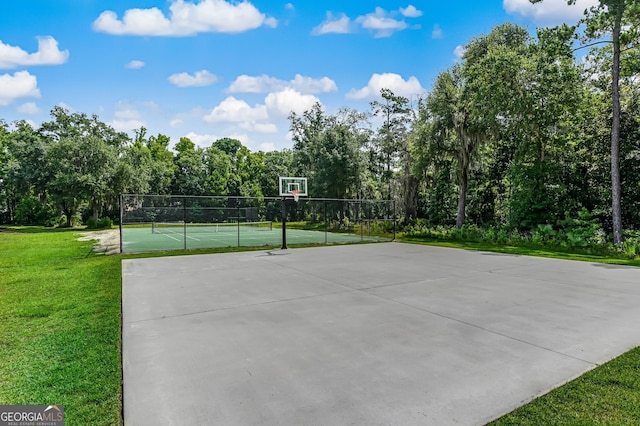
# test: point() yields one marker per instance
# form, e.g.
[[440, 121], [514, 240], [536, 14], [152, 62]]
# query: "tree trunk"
[[463, 183], [468, 143], [95, 209], [462, 198], [410, 189], [410, 198], [615, 133], [68, 215]]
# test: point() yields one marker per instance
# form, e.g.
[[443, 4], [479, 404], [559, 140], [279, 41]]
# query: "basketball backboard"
[[290, 184]]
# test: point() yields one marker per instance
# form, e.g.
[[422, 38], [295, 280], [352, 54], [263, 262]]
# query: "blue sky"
[[208, 69]]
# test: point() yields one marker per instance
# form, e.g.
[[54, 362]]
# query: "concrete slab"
[[368, 334]]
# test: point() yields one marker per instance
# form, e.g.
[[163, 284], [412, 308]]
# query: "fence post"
[[326, 224], [359, 215], [121, 217], [284, 224], [184, 220], [238, 219], [394, 220]]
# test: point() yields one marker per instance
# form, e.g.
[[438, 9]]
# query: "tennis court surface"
[[179, 236], [373, 334]]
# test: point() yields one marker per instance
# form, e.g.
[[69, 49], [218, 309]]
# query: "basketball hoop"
[[296, 194]]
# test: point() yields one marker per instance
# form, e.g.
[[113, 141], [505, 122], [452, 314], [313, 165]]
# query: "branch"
[[602, 42], [591, 44]]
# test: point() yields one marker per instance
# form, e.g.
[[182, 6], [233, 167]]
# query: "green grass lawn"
[[608, 395], [60, 326], [60, 331]]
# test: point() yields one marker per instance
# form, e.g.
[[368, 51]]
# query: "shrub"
[[631, 243], [543, 234], [54, 221], [31, 211], [104, 223], [584, 231]]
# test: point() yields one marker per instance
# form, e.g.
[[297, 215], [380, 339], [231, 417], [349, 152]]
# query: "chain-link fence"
[[170, 222]]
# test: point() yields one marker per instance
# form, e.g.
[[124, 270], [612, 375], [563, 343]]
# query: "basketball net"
[[295, 193]]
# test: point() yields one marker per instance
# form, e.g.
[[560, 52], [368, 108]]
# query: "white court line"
[[179, 239], [168, 235]]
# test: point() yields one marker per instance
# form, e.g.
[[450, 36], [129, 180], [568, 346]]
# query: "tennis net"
[[209, 228]]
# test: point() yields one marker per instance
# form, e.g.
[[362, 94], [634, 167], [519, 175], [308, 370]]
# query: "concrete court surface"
[[376, 334]]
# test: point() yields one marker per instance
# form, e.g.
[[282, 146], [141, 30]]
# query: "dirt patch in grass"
[[107, 240]]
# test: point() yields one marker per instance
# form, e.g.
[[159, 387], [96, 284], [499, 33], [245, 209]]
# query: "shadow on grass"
[[526, 251], [43, 229]]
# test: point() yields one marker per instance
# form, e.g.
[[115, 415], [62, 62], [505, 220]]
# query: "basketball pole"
[[284, 223]]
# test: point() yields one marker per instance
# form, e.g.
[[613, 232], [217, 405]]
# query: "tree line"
[[518, 134]]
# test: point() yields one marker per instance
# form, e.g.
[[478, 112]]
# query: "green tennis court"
[[180, 236], [172, 222]]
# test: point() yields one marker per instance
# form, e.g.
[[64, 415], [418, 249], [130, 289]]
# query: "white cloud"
[[125, 110], [393, 82], [267, 146], [134, 65], [198, 79], [311, 85], [265, 84], [29, 108], [19, 85], [127, 117], [259, 127], [549, 12], [66, 106], [271, 22], [185, 18], [381, 22], [236, 110], [203, 141], [284, 102], [206, 140], [259, 84], [289, 6], [260, 118], [176, 122], [47, 54], [126, 125], [333, 25], [410, 12], [436, 32], [184, 119], [459, 51]]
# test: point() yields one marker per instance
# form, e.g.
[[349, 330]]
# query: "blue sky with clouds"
[[213, 68]]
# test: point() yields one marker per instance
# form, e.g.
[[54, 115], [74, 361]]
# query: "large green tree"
[[82, 169], [276, 164], [218, 166], [443, 131], [190, 177], [6, 213], [542, 113], [75, 124], [619, 21], [162, 164], [328, 150], [26, 168], [151, 164], [392, 145], [306, 130]]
